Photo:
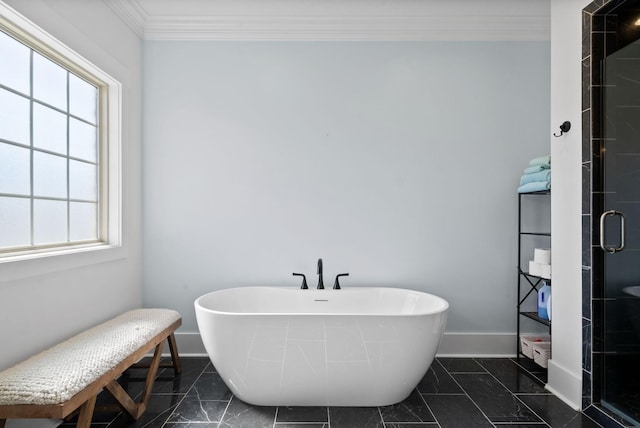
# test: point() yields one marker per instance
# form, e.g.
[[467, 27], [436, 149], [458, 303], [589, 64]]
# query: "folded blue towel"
[[535, 186], [542, 160], [536, 168], [544, 175]]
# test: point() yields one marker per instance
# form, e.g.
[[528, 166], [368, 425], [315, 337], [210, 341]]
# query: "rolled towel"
[[536, 168], [544, 175], [535, 186], [542, 160]]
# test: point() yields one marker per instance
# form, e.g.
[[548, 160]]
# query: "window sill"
[[27, 265]]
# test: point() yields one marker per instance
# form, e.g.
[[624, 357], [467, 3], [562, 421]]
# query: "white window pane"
[[83, 181], [83, 221], [49, 82], [14, 170], [14, 67], [49, 129], [83, 99], [49, 175], [14, 117], [82, 140], [49, 221], [15, 222]]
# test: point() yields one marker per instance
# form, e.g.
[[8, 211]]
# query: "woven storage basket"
[[528, 341], [541, 353]]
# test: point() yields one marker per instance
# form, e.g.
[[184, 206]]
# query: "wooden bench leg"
[[174, 354], [125, 401], [175, 358], [86, 413], [151, 377], [2, 421]]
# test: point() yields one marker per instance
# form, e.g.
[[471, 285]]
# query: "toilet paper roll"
[[542, 256], [534, 268], [539, 269], [545, 271]]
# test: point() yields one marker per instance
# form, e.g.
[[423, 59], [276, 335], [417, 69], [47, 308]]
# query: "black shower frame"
[[599, 39]]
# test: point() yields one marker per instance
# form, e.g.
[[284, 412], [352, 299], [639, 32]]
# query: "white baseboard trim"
[[189, 345], [477, 345], [565, 385], [452, 345]]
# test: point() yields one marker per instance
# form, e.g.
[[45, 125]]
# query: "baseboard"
[[452, 345], [565, 385], [478, 345], [189, 345]]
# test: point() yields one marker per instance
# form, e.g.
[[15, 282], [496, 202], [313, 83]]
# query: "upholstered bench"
[[68, 377]]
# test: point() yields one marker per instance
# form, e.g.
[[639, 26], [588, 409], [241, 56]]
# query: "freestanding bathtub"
[[277, 346]]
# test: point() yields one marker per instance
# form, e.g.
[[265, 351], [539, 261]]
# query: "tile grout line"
[[225, 411], [513, 393], [435, 361], [198, 378], [526, 369], [427, 405], [166, 421], [228, 402], [467, 394]]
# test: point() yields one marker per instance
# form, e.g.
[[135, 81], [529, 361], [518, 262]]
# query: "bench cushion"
[[58, 373]]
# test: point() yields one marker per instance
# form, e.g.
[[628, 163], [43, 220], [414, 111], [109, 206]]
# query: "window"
[[59, 147]]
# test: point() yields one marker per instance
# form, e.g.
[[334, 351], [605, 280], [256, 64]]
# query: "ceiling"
[[344, 20]]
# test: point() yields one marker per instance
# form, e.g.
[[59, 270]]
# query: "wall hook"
[[565, 127]]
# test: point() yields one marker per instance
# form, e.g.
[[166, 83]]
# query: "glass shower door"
[[620, 232]]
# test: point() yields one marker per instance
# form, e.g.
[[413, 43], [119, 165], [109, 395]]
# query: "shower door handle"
[[604, 215]]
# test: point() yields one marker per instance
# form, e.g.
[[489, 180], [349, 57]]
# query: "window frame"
[[109, 227]]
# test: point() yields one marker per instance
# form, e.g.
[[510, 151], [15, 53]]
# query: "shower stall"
[[612, 339], [619, 237]]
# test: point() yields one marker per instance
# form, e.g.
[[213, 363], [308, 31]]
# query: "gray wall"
[[45, 300], [396, 162]]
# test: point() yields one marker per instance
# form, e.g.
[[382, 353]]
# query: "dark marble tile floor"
[[455, 393]]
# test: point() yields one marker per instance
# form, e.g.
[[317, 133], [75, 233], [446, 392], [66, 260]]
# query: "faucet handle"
[[336, 285], [304, 281]]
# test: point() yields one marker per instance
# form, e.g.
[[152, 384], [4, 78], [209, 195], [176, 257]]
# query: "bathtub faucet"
[[320, 284], [336, 285], [304, 280]]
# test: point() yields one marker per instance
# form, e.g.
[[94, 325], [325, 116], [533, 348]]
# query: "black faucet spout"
[[320, 283]]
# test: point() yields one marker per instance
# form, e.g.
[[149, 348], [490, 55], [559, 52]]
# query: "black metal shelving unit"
[[527, 283]]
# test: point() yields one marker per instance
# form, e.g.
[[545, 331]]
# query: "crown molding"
[[458, 28], [131, 13], [374, 26]]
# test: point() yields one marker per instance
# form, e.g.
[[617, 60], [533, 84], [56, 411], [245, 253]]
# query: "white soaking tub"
[[356, 346]]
